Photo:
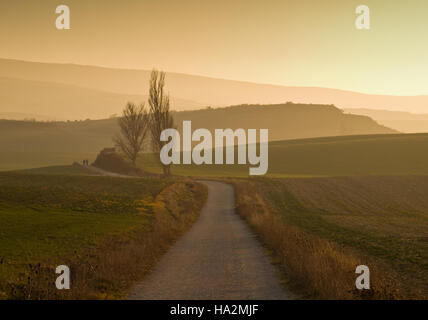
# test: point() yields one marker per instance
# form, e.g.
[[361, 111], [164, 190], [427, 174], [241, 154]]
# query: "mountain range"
[[78, 92]]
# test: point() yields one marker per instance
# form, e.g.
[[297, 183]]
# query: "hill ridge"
[[203, 89]]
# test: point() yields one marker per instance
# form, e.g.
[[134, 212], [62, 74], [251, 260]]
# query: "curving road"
[[219, 258]]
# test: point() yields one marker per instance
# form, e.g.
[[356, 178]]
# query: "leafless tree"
[[133, 124], [160, 116]]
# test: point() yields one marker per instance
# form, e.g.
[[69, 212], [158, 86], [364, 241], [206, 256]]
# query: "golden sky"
[[299, 43]]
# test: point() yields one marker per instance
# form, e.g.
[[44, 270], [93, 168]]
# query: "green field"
[[365, 193], [333, 156], [351, 155], [21, 160], [31, 144], [50, 219], [401, 154], [385, 218]]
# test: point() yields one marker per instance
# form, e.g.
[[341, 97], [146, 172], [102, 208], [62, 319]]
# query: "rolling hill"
[[285, 121], [26, 116], [27, 144], [396, 154], [398, 120], [370, 155], [196, 89], [354, 155], [63, 101]]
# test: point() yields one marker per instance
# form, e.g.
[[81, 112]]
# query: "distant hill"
[[401, 121], [25, 144], [197, 89], [285, 121], [64, 101], [27, 116]]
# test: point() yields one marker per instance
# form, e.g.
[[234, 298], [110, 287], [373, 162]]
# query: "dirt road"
[[219, 258]]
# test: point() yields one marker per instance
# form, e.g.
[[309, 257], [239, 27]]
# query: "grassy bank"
[[109, 231], [320, 229]]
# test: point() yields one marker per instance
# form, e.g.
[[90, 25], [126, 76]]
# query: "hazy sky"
[[300, 42]]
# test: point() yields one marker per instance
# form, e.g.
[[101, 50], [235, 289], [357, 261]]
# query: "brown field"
[[320, 229]]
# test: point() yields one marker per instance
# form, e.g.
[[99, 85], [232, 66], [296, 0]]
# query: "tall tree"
[[160, 116], [133, 124]]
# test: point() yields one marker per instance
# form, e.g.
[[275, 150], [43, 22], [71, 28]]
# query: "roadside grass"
[[109, 231], [320, 229]]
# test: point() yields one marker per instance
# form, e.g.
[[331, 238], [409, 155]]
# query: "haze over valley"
[[68, 91]]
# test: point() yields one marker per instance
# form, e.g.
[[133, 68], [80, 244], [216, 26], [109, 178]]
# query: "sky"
[[296, 43]]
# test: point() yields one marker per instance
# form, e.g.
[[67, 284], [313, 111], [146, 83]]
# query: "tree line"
[[137, 122]]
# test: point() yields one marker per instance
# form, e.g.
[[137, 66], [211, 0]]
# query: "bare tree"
[[160, 117], [133, 124]]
